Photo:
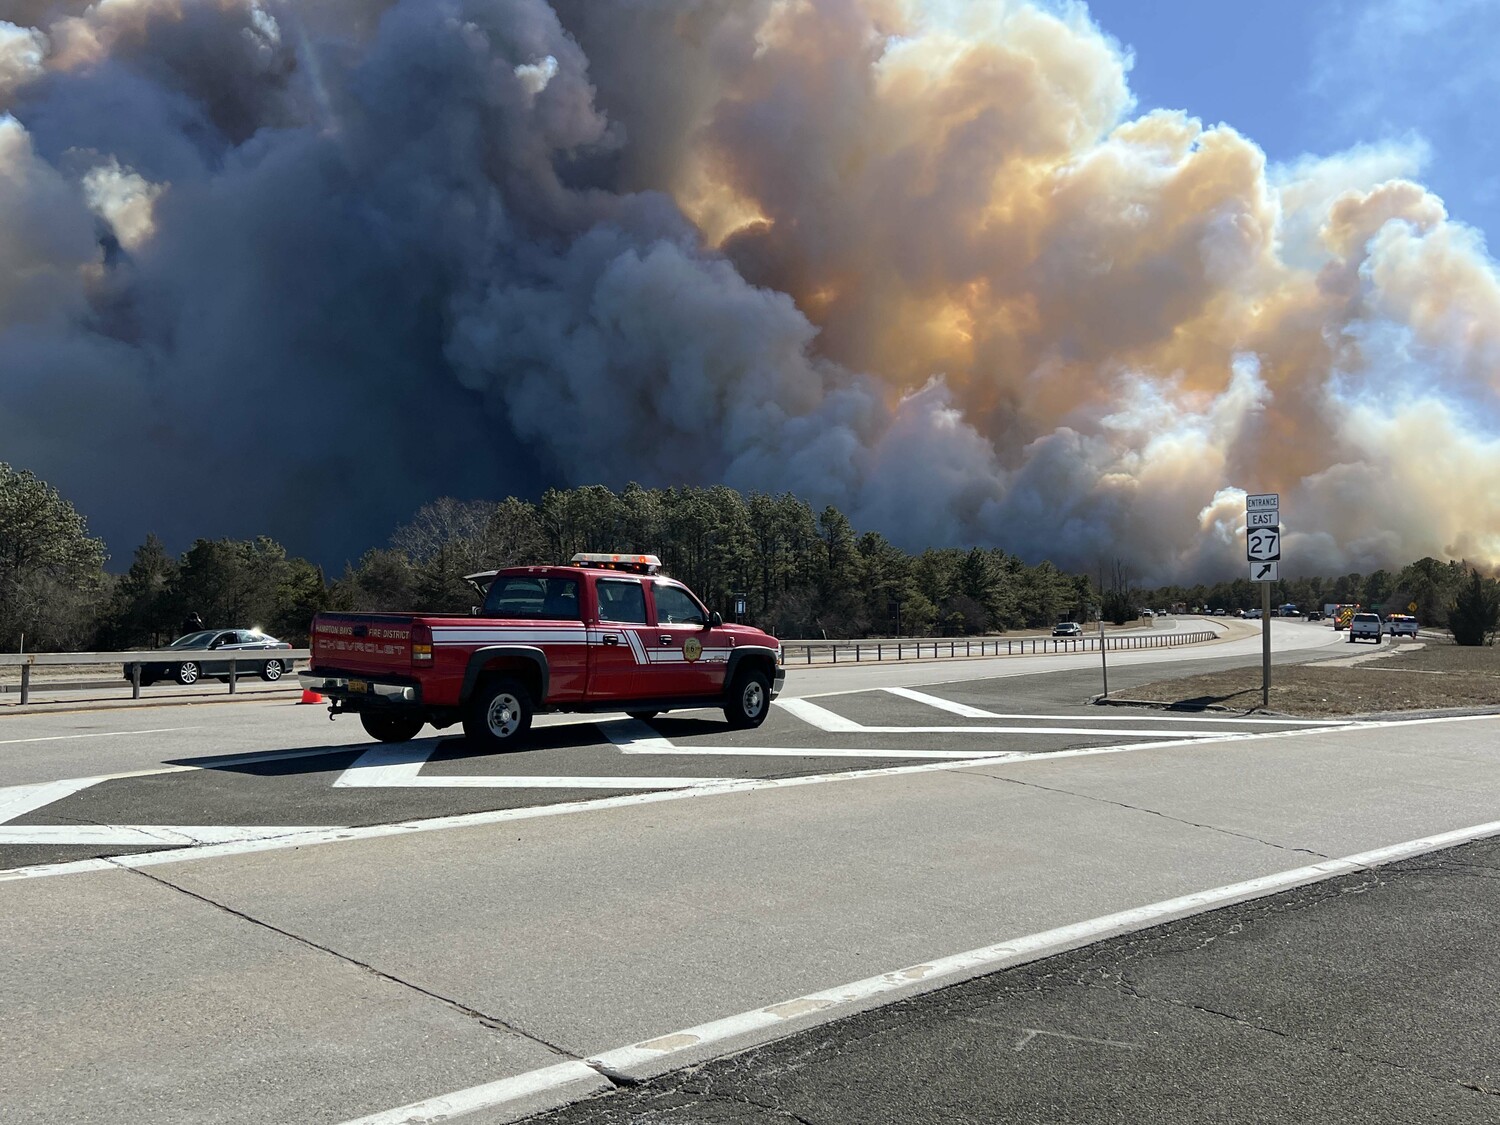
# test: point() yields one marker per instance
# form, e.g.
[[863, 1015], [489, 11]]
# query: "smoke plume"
[[298, 268]]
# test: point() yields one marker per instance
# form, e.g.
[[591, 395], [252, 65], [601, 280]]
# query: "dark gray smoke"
[[266, 276]]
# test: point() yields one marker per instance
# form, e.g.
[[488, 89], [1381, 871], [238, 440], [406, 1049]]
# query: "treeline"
[[801, 573], [1431, 586]]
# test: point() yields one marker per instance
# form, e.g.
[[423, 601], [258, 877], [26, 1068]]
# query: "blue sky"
[[1319, 76]]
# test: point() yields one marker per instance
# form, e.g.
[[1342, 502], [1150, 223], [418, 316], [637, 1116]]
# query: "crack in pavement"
[[494, 1023], [160, 836], [710, 1094], [973, 772], [1331, 1047]]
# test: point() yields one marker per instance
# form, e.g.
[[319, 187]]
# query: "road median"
[[1401, 677]]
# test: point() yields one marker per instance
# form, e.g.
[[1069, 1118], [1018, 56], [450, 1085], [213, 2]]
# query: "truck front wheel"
[[498, 714], [749, 699], [390, 728]]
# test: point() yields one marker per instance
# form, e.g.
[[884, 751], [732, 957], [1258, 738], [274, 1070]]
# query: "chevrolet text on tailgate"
[[607, 633]]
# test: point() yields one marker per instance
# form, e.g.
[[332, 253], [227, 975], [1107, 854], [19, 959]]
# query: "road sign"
[[1264, 571], [1263, 544], [1412, 608], [1263, 502], [1262, 519]]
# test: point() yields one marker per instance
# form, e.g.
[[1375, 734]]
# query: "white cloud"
[[22, 50]]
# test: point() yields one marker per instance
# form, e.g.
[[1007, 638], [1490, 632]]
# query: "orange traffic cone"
[[311, 697]]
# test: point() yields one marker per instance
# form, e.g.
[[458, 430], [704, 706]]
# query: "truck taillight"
[[421, 644]]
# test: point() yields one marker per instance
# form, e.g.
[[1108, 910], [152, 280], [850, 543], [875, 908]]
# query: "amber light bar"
[[640, 564]]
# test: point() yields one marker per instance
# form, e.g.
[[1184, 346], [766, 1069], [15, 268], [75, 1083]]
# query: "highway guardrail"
[[857, 652], [133, 660]]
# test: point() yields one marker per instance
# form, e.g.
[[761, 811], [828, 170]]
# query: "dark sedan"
[[188, 659]]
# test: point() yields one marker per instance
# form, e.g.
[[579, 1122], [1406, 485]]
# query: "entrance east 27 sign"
[[1263, 544]]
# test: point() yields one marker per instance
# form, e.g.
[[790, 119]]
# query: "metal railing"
[[856, 652], [793, 652], [133, 660]]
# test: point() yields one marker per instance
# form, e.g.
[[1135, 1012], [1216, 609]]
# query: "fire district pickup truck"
[[607, 633]]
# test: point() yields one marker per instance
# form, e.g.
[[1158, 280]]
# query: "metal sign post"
[[1103, 662], [1263, 549], [1265, 644]]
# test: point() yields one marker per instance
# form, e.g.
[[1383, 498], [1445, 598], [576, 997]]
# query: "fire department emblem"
[[692, 648]]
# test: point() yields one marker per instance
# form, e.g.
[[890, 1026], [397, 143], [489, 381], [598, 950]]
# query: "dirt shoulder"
[[1421, 675]]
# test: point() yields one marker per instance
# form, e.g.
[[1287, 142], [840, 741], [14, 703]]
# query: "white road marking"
[[663, 1052], [820, 717], [91, 734], [401, 767], [827, 720], [823, 752], [501, 816], [18, 800], [504, 816], [635, 737], [141, 834], [490, 1094], [942, 704], [1113, 717], [68, 786]]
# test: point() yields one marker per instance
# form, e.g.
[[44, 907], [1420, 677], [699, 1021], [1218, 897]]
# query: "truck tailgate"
[[371, 643]]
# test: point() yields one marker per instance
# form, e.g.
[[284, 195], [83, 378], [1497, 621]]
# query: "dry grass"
[[1422, 676]]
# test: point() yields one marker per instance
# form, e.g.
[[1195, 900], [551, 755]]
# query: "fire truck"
[[605, 633]]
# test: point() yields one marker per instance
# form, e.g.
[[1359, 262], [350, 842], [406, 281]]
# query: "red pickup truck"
[[607, 633]]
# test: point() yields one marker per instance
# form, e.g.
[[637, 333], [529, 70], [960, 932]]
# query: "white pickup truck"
[[1364, 626]]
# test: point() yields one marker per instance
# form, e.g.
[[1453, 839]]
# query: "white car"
[[1366, 626]]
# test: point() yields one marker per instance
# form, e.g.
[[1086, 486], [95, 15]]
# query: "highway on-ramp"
[[242, 912]]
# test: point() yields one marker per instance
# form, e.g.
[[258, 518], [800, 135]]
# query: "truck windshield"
[[533, 599]]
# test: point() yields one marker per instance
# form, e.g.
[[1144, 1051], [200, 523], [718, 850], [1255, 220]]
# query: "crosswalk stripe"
[[18, 800], [400, 767], [942, 704]]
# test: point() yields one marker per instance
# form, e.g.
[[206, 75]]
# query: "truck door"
[[617, 640], [688, 657]]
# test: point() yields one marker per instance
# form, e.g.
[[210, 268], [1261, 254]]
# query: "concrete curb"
[[1362, 717]]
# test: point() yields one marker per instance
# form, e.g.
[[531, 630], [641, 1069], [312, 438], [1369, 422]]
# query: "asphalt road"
[[242, 912], [1368, 998]]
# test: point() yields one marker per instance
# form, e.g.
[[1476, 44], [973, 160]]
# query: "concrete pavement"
[[566, 935]]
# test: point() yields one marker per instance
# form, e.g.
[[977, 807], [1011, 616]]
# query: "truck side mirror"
[[715, 620]]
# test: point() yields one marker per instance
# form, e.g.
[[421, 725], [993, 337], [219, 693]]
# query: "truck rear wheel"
[[749, 699], [390, 728], [498, 714]]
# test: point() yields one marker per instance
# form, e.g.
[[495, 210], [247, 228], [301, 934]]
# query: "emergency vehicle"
[[1401, 625], [606, 633]]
